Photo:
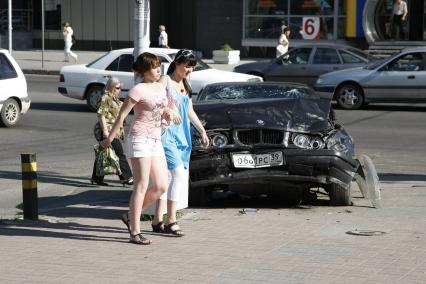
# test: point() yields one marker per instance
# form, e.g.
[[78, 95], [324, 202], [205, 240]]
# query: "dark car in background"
[[399, 78], [267, 137], [305, 63]]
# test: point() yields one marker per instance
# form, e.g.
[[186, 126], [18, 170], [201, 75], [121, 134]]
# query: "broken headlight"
[[340, 141], [307, 142], [218, 140]]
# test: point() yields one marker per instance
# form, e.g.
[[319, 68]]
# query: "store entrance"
[[414, 27], [416, 20]]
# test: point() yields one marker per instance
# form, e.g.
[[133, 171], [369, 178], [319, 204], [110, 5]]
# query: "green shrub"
[[226, 47]]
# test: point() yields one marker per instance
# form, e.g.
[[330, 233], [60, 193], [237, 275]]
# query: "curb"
[[40, 72]]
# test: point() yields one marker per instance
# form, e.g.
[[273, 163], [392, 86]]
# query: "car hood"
[[297, 115], [352, 72], [258, 65]]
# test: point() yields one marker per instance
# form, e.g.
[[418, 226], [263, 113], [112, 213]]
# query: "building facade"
[[250, 25]]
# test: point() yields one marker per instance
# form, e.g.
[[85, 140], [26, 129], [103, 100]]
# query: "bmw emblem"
[[260, 122]]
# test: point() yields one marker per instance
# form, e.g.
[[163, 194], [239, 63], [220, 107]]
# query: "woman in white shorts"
[[149, 101]]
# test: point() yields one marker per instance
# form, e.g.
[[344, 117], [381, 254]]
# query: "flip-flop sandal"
[[126, 221], [139, 240], [168, 230], [159, 228]]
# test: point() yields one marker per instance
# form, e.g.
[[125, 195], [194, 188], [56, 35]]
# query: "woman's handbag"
[[107, 162], [281, 49]]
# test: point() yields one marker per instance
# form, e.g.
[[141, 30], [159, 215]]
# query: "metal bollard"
[[29, 186]]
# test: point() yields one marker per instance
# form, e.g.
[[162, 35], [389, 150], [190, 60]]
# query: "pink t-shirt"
[[151, 101]]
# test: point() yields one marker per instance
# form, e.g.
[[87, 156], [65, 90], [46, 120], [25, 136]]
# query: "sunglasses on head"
[[186, 53]]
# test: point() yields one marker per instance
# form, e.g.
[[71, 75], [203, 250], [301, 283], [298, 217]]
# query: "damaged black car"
[[267, 137]]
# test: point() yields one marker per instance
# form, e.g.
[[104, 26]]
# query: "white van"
[[14, 99]]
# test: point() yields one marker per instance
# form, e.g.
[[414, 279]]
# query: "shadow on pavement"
[[62, 230], [100, 204], [50, 177], [61, 107], [401, 177]]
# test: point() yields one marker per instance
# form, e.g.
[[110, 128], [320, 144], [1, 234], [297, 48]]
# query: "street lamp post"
[[141, 27], [42, 34], [10, 26]]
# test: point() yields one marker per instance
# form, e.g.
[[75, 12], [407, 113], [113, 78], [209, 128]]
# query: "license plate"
[[257, 160]]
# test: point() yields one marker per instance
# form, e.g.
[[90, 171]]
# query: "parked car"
[[273, 136], [304, 64], [399, 78], [14, 99], [86, 82]]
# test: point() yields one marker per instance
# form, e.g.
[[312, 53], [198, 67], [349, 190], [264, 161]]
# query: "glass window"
[[267, 7], [312, 7], [247, 92], [263, 27], [349, 58], [114, 65], [326, 56], [407, 62], [125, 63], [297, 56], [326, 28], [52, 14], [6, 69]]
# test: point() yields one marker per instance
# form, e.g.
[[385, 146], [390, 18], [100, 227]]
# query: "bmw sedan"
[[305, 63], [274, 137], [400, 78], [86, 82]]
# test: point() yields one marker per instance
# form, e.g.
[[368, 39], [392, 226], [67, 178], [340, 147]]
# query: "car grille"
[[260, 136]]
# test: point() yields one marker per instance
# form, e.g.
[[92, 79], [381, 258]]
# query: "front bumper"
[[325, 91], [303, 167], [25, 104]]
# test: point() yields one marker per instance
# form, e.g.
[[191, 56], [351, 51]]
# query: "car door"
[[291, 67], [325, 60], [399, 80]]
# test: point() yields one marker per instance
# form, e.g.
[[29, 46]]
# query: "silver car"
[[400, 78]]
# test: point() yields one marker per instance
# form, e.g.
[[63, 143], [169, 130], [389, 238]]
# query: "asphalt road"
[[59, 130]]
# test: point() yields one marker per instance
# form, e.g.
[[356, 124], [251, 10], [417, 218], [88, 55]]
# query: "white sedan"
[[14, 99], [86, 82]]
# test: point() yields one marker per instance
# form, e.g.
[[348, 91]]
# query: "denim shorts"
[[139, 147]]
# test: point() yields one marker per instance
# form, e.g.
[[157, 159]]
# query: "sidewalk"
[[85, 242], [31, 61]]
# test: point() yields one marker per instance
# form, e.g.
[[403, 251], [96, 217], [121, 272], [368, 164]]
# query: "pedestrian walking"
[[163, 39], [149, 101], [283, 42], [177, 144], [399, 17], [68, 40], [108, 110]]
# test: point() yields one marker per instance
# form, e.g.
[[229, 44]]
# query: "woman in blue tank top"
[[176, 141]]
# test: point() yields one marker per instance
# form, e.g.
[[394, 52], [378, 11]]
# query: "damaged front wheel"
[[339, 196]]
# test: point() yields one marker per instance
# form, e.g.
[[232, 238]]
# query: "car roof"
[[323, 44], [154, 49]]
